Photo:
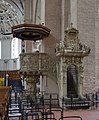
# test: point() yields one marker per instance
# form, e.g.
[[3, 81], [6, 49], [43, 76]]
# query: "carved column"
[[65, 83], [31, 85], [61, 77], [81, 80]]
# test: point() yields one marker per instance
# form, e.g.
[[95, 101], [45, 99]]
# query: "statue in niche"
[[36, 46]]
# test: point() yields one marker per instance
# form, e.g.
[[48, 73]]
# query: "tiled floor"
[[85, 114]]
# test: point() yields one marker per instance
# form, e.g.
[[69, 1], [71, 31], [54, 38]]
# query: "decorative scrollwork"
[[77, 60], [68, 60], [81, 68], [72, 43]]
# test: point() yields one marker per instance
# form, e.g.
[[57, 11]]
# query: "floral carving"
[[38, 61], [77, 60], [68, 60]]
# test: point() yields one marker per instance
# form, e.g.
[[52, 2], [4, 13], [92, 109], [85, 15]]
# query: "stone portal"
[[70, 53]]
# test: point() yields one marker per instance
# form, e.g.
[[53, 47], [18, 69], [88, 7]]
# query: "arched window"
[[15, 48], [9, 16]]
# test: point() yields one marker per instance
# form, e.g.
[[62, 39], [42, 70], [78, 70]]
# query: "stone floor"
[[85, 114]]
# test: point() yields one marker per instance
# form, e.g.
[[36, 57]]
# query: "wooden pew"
[[4, 101]]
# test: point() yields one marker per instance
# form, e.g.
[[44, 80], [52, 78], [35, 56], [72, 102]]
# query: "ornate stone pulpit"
[[36, 67]]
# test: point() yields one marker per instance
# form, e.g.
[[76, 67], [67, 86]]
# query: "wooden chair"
[[4, 101]]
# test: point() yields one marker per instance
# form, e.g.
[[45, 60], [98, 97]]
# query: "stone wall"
[[86, 27], [97, 44], [53, 22]]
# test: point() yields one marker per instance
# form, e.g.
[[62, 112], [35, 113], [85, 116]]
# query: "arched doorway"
[[72, 81]]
